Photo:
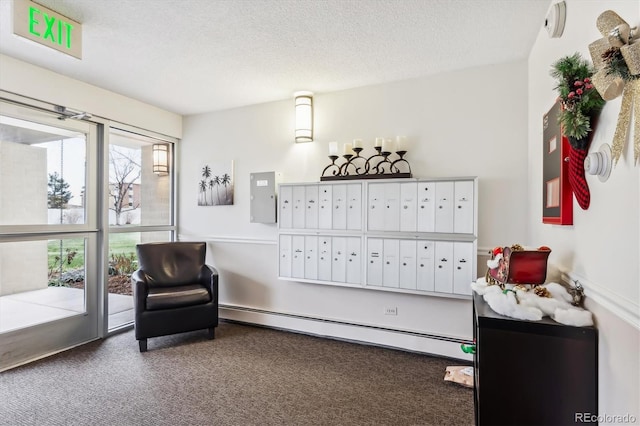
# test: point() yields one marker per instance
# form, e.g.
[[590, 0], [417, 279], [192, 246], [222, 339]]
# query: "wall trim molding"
[[618, 305], [218, 239], [484, 251]]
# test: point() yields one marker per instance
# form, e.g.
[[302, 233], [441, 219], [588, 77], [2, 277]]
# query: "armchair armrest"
[[140, 289], [209, 278]]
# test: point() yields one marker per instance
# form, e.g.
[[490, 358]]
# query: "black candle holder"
[[378, 166]]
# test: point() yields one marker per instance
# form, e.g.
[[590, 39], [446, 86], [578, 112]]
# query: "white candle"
[[388, 145], [379, 141], [333, 148], [347, 149], [357, 143], [401, 143]]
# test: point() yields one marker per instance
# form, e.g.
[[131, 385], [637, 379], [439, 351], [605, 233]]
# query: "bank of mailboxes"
[[321, 207], [329, 233], [323, 258], [444, 207], [434, 266], [422, 265]]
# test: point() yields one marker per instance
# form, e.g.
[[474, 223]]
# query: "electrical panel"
[[263, 197]]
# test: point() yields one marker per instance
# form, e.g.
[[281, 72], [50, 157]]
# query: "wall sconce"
[[304, 116], [161, 159]]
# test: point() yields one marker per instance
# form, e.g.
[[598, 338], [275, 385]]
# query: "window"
[[140, 210], [43, 174]]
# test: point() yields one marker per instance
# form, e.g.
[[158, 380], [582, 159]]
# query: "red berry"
[[587, 80], [588, 86], [579, 91], [571, 95]]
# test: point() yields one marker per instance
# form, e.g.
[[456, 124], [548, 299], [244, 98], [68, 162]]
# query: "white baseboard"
[[620, 306], [444, 346]]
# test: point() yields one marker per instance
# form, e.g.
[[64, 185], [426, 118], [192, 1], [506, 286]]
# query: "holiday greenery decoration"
[[615, 64], [580, 101]]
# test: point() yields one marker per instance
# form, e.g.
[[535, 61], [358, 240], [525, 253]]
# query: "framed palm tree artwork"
[[215, 187]]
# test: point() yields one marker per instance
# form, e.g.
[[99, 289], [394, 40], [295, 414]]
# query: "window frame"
[[171, 227]]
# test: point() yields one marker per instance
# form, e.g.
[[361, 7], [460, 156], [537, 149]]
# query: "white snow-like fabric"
[[576, 316], [495, 262], [532, 307]]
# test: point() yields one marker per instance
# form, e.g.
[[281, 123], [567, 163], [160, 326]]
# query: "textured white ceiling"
[[193, 56]]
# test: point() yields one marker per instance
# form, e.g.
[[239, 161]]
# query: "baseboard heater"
[[351, 324]]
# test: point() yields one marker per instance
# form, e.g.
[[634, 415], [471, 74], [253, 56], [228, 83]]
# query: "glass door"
[[50, 260]]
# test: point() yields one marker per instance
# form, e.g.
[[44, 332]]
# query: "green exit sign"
[[49, 28]]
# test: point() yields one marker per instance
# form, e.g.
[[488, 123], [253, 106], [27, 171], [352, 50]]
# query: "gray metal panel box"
[[263, 197]]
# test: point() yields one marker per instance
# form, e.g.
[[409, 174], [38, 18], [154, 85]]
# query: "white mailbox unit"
[[406, 235]]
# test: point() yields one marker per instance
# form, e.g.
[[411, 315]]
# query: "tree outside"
[[124, 173], [58, 194]]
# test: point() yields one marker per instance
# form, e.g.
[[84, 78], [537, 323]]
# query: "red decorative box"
[[521, 267]]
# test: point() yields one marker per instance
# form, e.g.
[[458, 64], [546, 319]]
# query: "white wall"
[[23, 265], [466, 123], [471, 122], [39, 83], [602, 248]]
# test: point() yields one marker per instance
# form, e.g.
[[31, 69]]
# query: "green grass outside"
[[119, 244], [123, 243], [69, 251]]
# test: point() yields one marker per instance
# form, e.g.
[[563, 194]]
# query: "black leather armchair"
[[174, 291]]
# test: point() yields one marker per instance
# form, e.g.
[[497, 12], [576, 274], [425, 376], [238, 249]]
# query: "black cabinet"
[[533, 372]]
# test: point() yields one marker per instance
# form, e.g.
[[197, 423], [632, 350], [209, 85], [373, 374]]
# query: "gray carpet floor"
[[246, 376]]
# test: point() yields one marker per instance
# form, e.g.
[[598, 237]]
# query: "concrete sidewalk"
[[30, 308]]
